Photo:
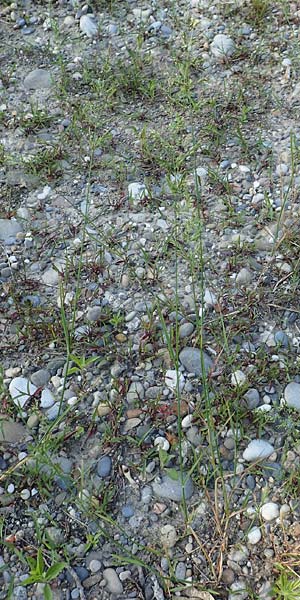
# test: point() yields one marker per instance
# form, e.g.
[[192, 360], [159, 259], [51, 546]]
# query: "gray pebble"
[[104, 466], [172, 489], [127, 511], [192, 362], [281, 339], [251, 398], [180, 571], [185, 330], [113, 582]]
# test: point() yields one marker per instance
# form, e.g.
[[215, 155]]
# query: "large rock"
[[11, 432], [191, 359], [20, 390], [38, 79], [9, 228]]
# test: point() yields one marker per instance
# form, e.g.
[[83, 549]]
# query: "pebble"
[[281, 339], [47, 399], [11, 432], [21, 389], [37, 79], [238, 378], [113, 582], [127, 511], [254, 536], [40, 378], [244, 277], [94, 313], [168, 536], [292, 395], [257, 450], [135, 392], [174, 380], [222, 46], [172, 489], [185, 330], [137, 191], [162, 443], [191, 360], [9, 228], [53, 412], [251, 398], [25, 494], [269, 511], [180, 571], [238, 590], [95, 566], [104, 466]]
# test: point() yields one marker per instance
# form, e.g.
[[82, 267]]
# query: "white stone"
[[209, 298], [222, 46], [174, 379], [168, 535], [292, 395], [269, 511], [88, 25], [238, 378], [187, 421], [202, 174], [162, 443], [25, 494], [254, 535], [257, 450], [137, 191], [20, 390], [47, 399]]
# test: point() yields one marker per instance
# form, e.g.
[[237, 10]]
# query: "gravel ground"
[[149, 270]]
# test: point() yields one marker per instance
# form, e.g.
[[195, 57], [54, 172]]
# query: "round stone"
[[254, 535], [95, 566], [269, 511], [104, 466], [222, 46]]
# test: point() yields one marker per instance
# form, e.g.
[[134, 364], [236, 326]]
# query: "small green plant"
[[287, 586], [81, 363], [40, 573]]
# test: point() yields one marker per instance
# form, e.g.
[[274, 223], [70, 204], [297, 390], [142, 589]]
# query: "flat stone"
[[38, 79], [191, 360], [292, 395], [113, 583], [11, 432], [40, 377], [9, 228], [166, 487], [20, 390], [47, 399], [258, 450]]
